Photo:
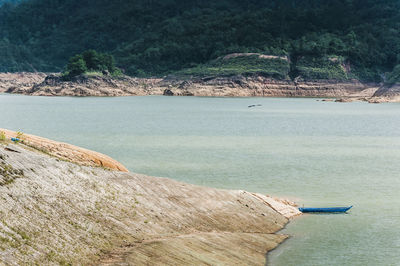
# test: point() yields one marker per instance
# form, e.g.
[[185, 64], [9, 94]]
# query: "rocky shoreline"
[[233, 86], [58, 212], [21, 80]]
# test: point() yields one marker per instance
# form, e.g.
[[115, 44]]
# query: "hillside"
[[61, 213], [155, 38]]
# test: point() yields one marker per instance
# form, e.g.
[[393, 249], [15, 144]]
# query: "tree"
[[94, 61], [76, 66], [91, 60]]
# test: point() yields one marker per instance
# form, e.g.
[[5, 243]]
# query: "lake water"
[[316, 153]]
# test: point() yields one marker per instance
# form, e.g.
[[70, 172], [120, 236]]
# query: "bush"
[[76, 66], [91, 61]]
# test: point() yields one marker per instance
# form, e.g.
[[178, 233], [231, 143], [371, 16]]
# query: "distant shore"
[[40, 84]]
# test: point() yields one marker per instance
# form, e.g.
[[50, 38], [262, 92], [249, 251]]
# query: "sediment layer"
[[233, 86]]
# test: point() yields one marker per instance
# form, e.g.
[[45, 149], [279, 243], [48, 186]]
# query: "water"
[[317, 153]]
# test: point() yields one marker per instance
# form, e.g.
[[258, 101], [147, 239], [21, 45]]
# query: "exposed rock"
[[344, 100], [233, 86], [66, 151], [185, 85], [370, 90], [63, 213], [377, 100], [265, 87], [19, 80], [168, 92], [386, 93], [7, 173], [84, 85]]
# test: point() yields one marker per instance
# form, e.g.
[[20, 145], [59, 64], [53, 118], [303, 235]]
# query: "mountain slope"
[[158, 37]]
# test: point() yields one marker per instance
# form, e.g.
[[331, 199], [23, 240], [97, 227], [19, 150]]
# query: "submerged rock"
[[344, 100]]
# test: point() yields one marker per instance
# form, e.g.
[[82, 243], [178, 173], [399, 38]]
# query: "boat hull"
[[327, 210]]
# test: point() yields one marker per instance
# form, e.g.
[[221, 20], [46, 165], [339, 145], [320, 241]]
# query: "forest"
[[159, 37], [2, 2]]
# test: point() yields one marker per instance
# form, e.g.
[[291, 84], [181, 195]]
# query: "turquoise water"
[[316, 153]]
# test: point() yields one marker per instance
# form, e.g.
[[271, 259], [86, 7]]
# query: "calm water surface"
[[316, 153]]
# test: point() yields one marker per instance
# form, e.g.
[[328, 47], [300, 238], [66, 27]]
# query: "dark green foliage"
[[157, 37], [92, 61], [76, 66], [2, 2], [98, 61], [393, 77], [241, 65]]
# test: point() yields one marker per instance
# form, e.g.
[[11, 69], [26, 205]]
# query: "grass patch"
[[8, 174], [94, 74], [2, 136], [321, 68], [241, 65]]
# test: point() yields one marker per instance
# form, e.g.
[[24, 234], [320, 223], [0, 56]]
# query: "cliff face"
[[56, 212]]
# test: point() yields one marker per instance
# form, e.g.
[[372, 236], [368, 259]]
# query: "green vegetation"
[[2, 2], [2, 136], [241, 65], [393, 77], [8, 174], [20, 135], [327, 67], [75, 67], [92, 63], [158, 37]]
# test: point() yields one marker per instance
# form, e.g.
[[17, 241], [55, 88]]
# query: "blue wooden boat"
[[329, 210]]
